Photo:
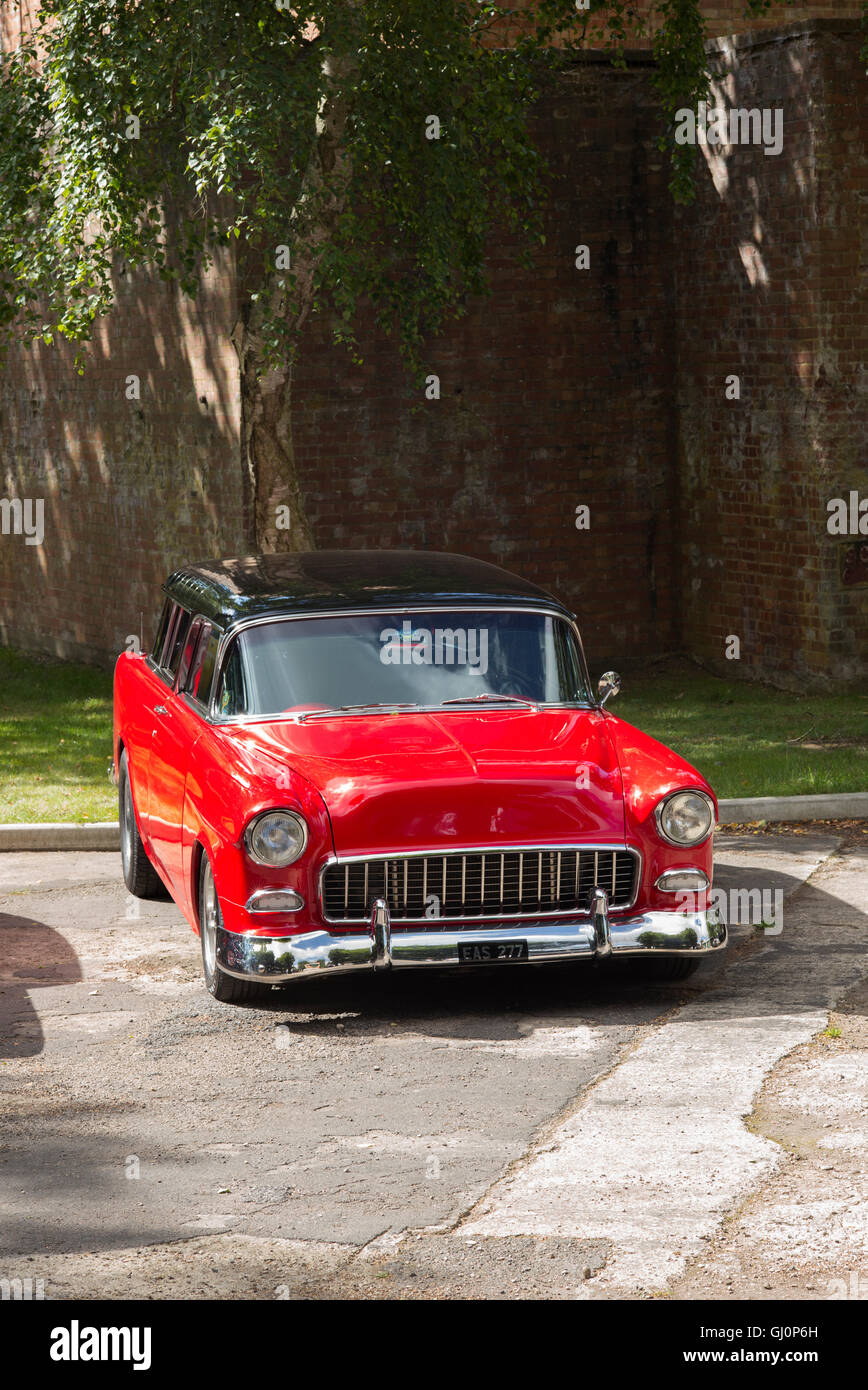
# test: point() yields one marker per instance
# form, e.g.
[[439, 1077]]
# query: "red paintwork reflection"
[[416, 781], [373, 784]]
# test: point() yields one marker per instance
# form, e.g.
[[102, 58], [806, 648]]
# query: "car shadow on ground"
[[76, 1144], [470, 999], [471, 1002], [32, 956]]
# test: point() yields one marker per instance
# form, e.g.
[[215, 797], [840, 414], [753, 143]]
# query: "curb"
[[50, 835], [106, 835], [824, 806]]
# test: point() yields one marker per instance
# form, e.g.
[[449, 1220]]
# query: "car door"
[[138, 688], [175, 729]]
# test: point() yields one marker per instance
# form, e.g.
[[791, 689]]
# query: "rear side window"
[[175, 645], [191, 648], [162, 628], [197, 663]]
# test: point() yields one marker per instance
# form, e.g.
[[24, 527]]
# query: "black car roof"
[[322, 580]]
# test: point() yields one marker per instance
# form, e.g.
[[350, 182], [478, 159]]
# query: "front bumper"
[[277, 959]]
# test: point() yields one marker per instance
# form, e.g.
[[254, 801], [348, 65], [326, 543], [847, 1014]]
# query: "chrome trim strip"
[[599, 910], [663, 885], [276, 960], [252, 902], [381, 936], [348, 859]]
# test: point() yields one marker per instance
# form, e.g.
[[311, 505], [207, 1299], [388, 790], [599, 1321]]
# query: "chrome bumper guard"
[[277, 959]]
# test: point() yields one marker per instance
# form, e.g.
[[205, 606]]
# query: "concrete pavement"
[[560, 1133]]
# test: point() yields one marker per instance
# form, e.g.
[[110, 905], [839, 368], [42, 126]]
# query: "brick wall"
[[768, 289], [600, 387], [555, 393], [130, 487], [722, 17]]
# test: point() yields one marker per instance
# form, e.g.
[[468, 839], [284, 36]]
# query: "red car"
[[371, 760]]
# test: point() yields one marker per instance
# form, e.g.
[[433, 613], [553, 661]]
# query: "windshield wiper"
[[489, 698], [486, 698], [351, 709]]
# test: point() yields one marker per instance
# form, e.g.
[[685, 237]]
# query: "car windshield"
[[400, 659]]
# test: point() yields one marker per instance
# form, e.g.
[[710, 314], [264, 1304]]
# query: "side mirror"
[[609, 684]]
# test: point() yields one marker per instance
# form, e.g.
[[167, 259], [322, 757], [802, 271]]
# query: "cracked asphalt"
[[559, 1133]]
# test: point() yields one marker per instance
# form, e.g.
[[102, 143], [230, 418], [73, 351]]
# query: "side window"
[[191, 648], [202, 671], [162, 627], [168, 642], [175, 645], [232, 697]]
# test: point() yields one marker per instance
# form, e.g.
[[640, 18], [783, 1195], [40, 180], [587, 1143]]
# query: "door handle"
[[160, 709]]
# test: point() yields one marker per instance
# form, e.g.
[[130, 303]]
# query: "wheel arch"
[[199, 851]]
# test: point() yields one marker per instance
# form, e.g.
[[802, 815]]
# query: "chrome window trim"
[[165, 675], [167, 609], [244, 624], [197, 706], [183, 676], [159, 672], [192, 704], [658, 811], [341, 859]]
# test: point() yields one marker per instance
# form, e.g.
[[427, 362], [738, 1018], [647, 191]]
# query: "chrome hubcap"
[[210, 921]]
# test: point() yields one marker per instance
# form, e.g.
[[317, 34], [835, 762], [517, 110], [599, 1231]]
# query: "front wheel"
[[668, 967], [223, 987]]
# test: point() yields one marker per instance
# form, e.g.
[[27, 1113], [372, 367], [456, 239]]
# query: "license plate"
[[490, 952]]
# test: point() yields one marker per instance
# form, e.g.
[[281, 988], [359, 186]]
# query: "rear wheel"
[[140, 876], [223, 987]]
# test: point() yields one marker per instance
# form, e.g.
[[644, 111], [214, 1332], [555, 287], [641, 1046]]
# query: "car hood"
[[425, 781]]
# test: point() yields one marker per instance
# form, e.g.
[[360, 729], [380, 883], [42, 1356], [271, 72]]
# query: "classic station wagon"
[[352, 760]]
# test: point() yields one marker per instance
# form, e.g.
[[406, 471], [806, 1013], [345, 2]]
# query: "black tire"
[[670, 968], [140, 876], [223, 987]]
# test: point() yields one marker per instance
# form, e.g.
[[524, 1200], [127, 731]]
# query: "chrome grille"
[[511, 883]]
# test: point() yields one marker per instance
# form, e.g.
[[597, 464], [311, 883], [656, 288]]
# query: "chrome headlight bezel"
[[665, 801], [666, 884], [283, 861]]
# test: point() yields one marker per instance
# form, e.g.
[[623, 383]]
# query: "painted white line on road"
[[659, 1152]]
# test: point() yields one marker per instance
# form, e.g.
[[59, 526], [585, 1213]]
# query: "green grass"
[[55, 741], [740, 734], [55, 735]]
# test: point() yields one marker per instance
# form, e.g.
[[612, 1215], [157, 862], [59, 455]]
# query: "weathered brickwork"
[[555, 393], [601, 387], [130, 487], [769, 290], [722, 18]]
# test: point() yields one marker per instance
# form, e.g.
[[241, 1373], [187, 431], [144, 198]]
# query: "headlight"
[[276, 838], [685, 818]]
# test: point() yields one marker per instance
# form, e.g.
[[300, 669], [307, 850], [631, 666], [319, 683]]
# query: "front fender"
[[219, 804], [651, 771]]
